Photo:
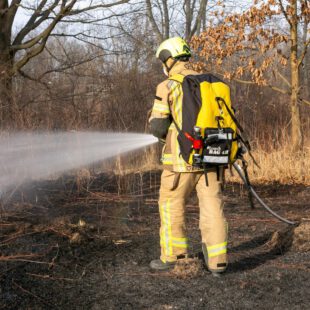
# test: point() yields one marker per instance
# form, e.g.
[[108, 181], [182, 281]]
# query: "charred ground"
[[87, 245]]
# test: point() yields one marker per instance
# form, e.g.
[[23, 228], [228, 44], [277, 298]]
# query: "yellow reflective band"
[[167, 162], [167, 156], [180, 239], [217, 249], [163, 108], [163, 230], [167, 159], [180, 242], [169, 227], [177, 106], [217, 253], [182, 246], [217, 245], [176, 93], [165, 235], [162, 234]]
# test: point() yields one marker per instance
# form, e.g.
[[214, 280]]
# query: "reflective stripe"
[[180, 242], [176, 90], [169, 227], [162, 108], [167, 159], [216, 159], [180, 239], [166, 240], [217, 249], [221, 136], [177, 106], [211, 247]]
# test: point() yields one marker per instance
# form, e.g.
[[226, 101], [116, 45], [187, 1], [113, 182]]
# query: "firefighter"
[[178, 178]]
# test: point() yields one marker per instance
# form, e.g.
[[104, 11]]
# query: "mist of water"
[[33, 156]]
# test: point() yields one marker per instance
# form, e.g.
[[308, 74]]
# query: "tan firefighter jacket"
[[168, 100]]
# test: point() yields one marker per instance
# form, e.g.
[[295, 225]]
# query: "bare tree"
[[163, 15], [17, 50]]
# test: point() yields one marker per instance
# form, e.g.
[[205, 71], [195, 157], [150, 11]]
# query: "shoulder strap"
[[178, 78], [230, 113], [244, 139]]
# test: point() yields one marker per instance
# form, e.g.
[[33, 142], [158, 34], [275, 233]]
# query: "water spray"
[[33, 156]]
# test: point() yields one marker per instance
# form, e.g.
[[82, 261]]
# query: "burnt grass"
[[87, 245]]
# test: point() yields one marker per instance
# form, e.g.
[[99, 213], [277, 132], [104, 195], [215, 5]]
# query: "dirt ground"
[[87, 244]]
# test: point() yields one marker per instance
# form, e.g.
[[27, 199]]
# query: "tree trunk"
[[6, 64], [295, 114], [188, 19], [306, 66]]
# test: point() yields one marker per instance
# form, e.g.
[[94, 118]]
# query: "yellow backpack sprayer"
[[210, 135]]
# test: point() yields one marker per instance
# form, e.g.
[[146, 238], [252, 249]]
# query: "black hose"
[[240, 172]]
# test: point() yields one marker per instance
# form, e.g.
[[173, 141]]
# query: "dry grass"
[[278, 164], [281, 165]]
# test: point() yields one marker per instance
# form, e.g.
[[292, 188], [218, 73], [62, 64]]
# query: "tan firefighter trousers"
[[175, 188]]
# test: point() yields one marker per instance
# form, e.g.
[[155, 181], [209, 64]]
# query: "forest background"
[[90, 65]]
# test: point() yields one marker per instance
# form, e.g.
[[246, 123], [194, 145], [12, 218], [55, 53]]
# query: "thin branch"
[[98, 6], [284, 12], [27, 76], [73, 65], [304, 101], [304, 52], [76, 35], [280, 90], [283, 78], [95, 20]]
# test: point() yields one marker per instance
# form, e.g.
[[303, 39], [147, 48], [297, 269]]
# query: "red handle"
[[197, 144]]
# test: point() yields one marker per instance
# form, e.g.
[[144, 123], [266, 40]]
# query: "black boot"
[[159, 265]]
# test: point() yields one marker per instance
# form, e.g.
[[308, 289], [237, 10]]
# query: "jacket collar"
[[177, 68]]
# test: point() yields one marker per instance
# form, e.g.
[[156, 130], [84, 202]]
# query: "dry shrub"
[[296, 238], [188, 268], [83, 178], [279, 164], [301, 241]]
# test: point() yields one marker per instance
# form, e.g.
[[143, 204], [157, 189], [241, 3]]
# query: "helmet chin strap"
[[169, 68]]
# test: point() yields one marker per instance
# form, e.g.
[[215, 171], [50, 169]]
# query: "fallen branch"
[[49, 277]]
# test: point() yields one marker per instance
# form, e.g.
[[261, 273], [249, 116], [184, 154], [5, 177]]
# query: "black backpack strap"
[[230, 113], [243, 139]]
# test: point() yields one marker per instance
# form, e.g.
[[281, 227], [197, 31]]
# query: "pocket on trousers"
[[170, 180]]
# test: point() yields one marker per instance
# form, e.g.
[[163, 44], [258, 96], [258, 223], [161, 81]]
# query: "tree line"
[[74, 65]]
